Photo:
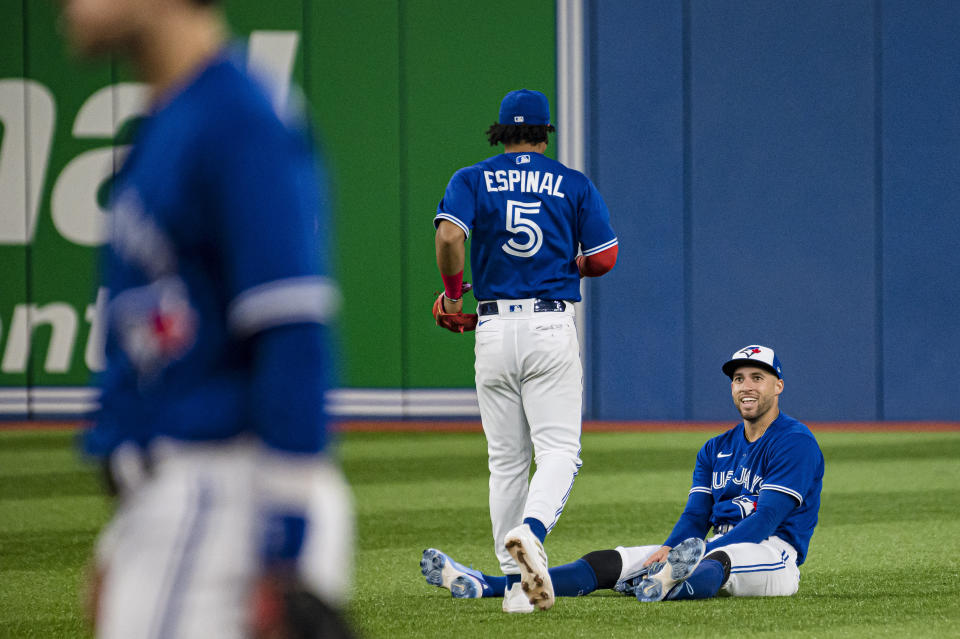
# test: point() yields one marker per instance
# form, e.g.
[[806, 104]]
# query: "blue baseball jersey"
[[786, 459], [529, 215], [216, 229]]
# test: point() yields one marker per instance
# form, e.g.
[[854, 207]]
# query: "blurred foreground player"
[[231, 520]]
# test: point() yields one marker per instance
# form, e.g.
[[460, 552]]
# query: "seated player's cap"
[[524, 106], [759, 356]]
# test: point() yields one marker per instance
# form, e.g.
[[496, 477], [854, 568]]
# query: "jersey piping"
[[599, 249], [287, 301]]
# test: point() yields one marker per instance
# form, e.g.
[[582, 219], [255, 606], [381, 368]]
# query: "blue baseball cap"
[[755, 355], [524, 106]]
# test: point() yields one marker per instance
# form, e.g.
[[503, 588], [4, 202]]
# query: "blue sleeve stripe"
[[700, 489], [450, 218], [601, 248], [783, 489], [294, 300]]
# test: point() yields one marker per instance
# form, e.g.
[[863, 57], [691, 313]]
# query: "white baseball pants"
[[766, 569], [529, 386], [181, 553]]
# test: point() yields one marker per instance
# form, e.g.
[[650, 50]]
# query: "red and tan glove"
[[454, 322], [282, 608]]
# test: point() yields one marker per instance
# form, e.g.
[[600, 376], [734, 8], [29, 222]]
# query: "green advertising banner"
[[400, 92]]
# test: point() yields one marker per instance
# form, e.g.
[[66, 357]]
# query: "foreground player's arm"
[[451, 256], [263, 181]]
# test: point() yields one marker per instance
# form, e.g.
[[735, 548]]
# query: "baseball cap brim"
[[731, 367]]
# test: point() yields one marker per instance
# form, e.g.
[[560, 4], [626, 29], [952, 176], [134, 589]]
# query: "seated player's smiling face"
[[755, 391]]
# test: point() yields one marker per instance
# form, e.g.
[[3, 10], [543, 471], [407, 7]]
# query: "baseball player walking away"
[[757, 485], [232, 520], [529, 216]]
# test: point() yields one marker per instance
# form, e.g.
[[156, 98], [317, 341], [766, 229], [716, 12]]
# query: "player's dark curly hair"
[[518, 133]]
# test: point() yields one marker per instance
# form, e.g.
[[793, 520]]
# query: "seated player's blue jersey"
[[529, 215], [786, 459], [215, 238]]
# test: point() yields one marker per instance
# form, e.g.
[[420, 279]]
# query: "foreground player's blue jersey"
[[786, 459], [529, 215], [215, 238]]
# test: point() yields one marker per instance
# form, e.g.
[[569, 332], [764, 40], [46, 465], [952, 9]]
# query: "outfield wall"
[[402, 93], [786, 172]]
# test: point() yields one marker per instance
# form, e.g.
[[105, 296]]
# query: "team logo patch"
[[156, 325], [523, 159], [518, 119], [750, 351]]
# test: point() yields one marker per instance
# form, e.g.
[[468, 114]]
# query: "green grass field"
[[884, 561]]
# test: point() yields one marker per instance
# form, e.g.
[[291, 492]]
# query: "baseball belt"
[[539, 306]]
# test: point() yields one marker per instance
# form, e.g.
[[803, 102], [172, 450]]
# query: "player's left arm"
[[597, 239], [787, 476]]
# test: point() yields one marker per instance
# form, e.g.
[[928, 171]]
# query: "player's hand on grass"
[[658, 556]]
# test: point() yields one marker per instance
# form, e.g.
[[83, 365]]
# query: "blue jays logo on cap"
[[754, 355], [524, 106]]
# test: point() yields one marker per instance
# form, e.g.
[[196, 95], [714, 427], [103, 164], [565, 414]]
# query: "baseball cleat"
[[442, 571], [528, 552], [681, 561], [629, 585], [515, 600]]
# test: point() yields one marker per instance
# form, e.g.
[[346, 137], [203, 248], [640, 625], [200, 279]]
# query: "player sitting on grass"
[[757, 485]]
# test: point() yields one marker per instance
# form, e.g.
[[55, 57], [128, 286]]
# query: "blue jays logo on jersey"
[[156, 324]]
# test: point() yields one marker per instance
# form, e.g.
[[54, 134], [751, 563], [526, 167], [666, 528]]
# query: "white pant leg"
[[633, 558], [505, 426], [767, 569], [552, 392], [179, 556]]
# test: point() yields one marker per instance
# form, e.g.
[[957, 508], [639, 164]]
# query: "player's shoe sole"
[[528, 552], [440, 570], [681, 561]]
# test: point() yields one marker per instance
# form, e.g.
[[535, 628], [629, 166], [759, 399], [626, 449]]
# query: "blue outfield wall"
[[785, 173]]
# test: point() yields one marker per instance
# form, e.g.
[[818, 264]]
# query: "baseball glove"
[[454, 322], [284, 609]]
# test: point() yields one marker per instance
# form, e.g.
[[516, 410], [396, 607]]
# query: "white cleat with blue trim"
[[681, 561], [442, 571]]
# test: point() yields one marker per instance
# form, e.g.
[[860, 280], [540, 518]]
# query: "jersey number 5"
[[516, 223]]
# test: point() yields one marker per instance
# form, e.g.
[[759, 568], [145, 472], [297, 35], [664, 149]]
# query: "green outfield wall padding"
[[400, 94]]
